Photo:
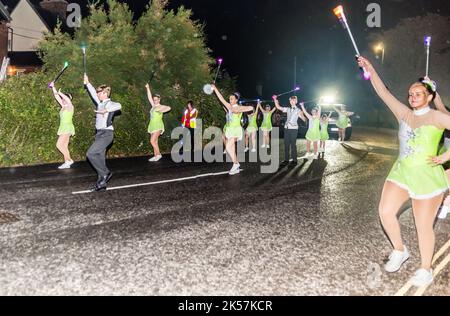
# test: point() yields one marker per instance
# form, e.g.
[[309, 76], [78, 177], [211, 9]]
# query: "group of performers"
[[233, 132], [414, 176]]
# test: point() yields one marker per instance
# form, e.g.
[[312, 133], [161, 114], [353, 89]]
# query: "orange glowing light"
[[339, 11]]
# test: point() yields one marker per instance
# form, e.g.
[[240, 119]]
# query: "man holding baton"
[[290, 129], [106, 110]]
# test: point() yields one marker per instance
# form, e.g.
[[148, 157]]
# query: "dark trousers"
[[290, 144], [97, 153]]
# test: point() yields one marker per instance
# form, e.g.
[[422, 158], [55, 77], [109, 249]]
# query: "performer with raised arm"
[[105, 112], [413, 176], [324, 136], [290, 128], [342, 123], [66, 128], [234, 131], [156, 126], [313, 134], [266, 125], [252, 130]]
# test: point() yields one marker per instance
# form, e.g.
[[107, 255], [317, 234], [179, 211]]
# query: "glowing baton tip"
[[339, 11], [428, 40], [366, 75], [220, 61], [297, 89], [66, 64]]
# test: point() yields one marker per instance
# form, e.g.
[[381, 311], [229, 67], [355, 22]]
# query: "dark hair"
[[430, 86], [191, 103], [294, 97], [157, 96], [237, 95]]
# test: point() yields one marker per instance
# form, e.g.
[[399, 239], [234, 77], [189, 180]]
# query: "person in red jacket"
[[189, 120]]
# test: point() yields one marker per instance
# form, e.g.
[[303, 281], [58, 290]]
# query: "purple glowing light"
[[220, 61], [297, 89], [366, 75], [428, 40]]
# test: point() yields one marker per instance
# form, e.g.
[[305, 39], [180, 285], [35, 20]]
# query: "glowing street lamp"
[[380, 49]]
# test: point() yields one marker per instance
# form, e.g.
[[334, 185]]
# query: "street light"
[[380, 48]]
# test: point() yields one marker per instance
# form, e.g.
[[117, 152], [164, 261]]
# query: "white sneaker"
[[235, 170], [422, 278], [396, 260], [316, 157], [254, 150], [246, 150], [155, 159], [66, 165], [268, 146], [263, 146], [225, 152], [444, 212]]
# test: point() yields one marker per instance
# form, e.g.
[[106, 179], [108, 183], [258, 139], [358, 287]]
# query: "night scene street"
[[224, 149]]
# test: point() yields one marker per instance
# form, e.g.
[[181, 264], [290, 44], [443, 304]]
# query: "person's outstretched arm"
[[91, 90], [221, 98]]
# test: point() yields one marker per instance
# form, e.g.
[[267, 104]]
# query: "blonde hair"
[[104, 88]]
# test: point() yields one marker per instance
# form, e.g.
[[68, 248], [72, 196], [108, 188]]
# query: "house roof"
[[50, 19], [4, 12]]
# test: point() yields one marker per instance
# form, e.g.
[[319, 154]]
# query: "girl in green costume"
[[324, 136], [266, 125], [413, 176], [313, 134], [343, 122], [66, 127], [234, 131], [252, 129], [156, 125]]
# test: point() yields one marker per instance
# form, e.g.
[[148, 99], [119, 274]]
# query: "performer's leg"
[[425, 212], [392, 199], [97, 152]]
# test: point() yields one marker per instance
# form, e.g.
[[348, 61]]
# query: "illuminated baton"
[[339, 12], [207, 88], [428, 45], [66, 65], [83, 48], [295, 90]]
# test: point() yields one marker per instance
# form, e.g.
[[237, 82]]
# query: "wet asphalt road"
[[308, 230]]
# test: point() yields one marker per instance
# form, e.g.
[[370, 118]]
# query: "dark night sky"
[[260, 38]]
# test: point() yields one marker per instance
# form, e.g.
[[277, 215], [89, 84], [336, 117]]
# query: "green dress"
[[324, 136], [156, 122], [266, 125], [66, 123], [252, 125], [234, 128], [313, 134], [412, 171], [343, 121], [228, 117]]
